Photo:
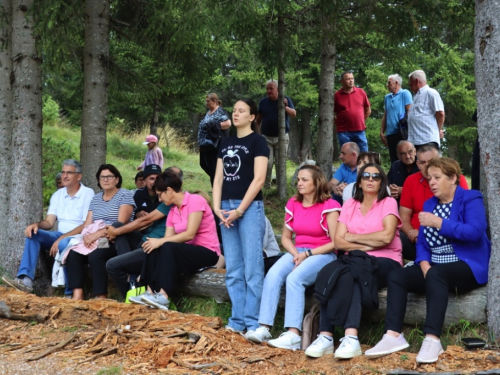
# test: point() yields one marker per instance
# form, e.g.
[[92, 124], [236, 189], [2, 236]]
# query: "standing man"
[[351, 109], [69, 206], [347, 172], [402, 168], [268, 119], [396, 106], [426, 115]]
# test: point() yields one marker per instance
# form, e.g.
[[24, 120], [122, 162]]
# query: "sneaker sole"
[[24, 289], [430, 361], [256, 339], [154, 304], [293, 347], [319, 354], [378, 355], [356, 353], [138, 302]]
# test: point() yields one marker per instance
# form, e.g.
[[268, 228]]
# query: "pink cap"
[[150, 138]]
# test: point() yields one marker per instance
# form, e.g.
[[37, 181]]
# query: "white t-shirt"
[[71, 212]]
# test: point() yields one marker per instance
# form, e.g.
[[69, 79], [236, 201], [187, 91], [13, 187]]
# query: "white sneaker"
[[157, 300], [287, 340], [138, 300], [259, 336], [387, 345], [348, 348], [320, 347]]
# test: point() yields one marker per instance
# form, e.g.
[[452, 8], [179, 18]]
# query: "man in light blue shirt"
[[347, 171], [396, 106]]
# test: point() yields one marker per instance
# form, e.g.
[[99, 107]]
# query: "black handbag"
[[403, 128]]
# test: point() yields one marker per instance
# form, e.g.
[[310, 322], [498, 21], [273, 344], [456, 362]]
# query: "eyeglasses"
[[365, 176], [68, 173], [106, 178]]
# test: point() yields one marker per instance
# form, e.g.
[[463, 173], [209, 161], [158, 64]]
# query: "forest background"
[[109, 64]]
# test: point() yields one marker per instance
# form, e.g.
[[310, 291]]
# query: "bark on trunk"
[[487, 66], [25, 204], [153, 128], [95, 89], [327, 79], [5, 117], [305, 128], [294, 145], [281, 159]]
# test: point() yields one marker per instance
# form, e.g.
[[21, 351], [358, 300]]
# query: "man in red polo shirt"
[[351, 110], [415, 192]]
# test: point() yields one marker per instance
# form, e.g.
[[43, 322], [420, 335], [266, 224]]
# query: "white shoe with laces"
[[321, 346], [287, 340], [259, 336], [349, 348]]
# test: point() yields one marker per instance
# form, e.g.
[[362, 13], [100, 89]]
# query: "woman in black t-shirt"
[[240, 175]]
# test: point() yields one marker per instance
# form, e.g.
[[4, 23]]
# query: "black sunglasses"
[[365, 176]]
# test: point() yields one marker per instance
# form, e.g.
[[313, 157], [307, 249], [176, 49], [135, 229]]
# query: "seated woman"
[[369, 223], [312, 216], [363, 158], [453, 254], [190, 242], [113, 204]]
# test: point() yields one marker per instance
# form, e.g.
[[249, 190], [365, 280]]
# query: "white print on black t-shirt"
[[232, 162]]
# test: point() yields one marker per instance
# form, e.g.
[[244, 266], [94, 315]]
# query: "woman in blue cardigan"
[[453, 253]]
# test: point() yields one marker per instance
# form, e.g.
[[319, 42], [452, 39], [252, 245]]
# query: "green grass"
[[114, 370]]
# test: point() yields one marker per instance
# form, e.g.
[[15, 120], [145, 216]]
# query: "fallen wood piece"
[[7, 314], [102, 354], [38, 347], [84, 340], [98, 339], [210, 348], [470, 306], [194, 367], [180, 334], [62, 344]]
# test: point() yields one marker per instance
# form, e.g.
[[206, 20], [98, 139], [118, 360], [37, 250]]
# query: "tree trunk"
[[5, 117], [327, 80], [487, 66], [281, 157], [294, 145], [25, 204], [305, 128], [153, 128], [95, 89]]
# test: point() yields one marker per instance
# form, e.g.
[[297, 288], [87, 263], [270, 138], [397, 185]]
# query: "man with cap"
[[146, 199], [154, 154]]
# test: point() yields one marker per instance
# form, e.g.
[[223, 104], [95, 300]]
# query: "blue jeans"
[[296, 282], [357, 137], [244, 264], [42, 239]]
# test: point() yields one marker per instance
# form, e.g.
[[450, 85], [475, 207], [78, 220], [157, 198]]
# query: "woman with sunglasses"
[[369, 223]]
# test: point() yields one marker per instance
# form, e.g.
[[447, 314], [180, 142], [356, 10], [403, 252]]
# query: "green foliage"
[[50, 110]]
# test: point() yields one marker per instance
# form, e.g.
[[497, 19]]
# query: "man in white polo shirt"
[[426, 115], [69, 206]]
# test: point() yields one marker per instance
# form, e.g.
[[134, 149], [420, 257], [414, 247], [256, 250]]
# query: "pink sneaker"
[[429, 351], [387, 345]]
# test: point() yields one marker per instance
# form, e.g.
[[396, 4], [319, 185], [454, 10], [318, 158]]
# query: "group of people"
[[348, 248]]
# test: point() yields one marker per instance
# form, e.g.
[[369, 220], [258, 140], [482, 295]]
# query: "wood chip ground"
[[84, 337]]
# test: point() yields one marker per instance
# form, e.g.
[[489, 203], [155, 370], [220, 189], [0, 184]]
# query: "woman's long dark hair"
[[253, 111], [382, 193]]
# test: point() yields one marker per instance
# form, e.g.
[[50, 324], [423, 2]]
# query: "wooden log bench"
[[470, 306]]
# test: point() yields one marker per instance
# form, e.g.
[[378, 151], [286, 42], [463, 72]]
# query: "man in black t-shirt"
[[268, 118], [402, 168]]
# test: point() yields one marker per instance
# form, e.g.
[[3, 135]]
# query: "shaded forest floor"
[[108, 337]]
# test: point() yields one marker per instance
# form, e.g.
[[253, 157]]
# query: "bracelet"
[[239, 213], [310, 252]]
